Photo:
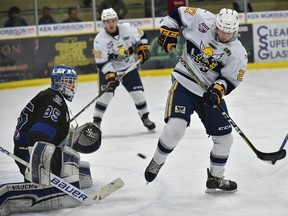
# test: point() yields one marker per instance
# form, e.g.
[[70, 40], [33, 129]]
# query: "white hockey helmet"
[[65, 80], [227, 20], [109, 13]]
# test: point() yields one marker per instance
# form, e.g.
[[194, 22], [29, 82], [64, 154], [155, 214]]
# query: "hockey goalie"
[[45, 140]]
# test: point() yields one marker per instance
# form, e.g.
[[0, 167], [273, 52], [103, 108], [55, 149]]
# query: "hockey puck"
[[141, 156]]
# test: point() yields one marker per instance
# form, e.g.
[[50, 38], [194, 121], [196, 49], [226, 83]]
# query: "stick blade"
[[107, 190], [273, 156]]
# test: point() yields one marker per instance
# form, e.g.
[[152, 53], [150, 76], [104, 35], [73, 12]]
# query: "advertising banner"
[[264, 16], [20, 32], [34, 57], [270, 42], [31, 58], [65, 28]]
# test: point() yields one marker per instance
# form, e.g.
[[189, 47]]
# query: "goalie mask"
[[87, 138], [64, 79]]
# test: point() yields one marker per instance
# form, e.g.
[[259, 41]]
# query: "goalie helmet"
[[227, 20], [87, 138], [109, 13], [65, 80]]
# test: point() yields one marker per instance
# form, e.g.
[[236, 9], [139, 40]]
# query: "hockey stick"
[[73, 191], [105, 90], [282, 146], [273, 156]]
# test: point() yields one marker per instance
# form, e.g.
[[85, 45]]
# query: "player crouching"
[[44, 139]]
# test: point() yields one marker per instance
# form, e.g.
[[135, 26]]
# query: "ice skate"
[[147, 122], [152, 170], [214, 183]]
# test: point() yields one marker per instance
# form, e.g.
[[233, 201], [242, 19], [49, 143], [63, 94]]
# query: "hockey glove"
[[168, 38], [112, 79], [214, 94], [143, 52]]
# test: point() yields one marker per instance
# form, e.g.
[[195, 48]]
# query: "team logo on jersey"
[[207, 58], [202, 27], [16, 135], [123, 55], [57, 99], [180, 109]]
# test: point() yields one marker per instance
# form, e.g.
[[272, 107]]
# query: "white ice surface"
[[259, 107]]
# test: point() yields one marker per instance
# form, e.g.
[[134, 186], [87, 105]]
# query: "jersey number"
[[52, 113], [240, 75], [23, 119]]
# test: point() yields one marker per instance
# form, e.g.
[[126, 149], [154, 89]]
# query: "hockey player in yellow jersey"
[[219, 61], [114, 49]]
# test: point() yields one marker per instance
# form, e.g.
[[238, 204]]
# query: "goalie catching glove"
[[214, 94], [112, 79], [85, 139], [168, 38], [143, 52]]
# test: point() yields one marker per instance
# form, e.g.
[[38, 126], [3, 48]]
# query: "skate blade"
[[152, 130], [219, 191]]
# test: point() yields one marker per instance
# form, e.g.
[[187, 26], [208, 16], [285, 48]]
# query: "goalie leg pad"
[[87, 138], [28, 197], [70, 165], [38, 169], [85, 177]]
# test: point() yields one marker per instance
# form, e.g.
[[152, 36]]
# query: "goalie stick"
[[69, 189], [105, 90], [272, 157]]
